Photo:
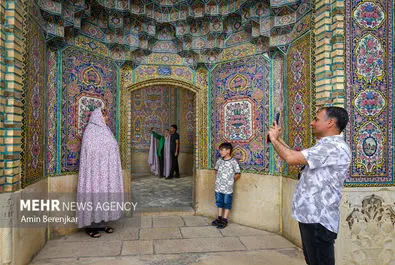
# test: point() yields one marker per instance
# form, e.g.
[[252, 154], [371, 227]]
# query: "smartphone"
[[277, 119]]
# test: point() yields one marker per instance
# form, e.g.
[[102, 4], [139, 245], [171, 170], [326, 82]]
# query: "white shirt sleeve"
[[236, 167], [217, 165], [322, 155]]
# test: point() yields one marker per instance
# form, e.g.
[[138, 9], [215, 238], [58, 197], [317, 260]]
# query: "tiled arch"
[[200, 145]]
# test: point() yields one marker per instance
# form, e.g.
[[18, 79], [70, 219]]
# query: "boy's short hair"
[[174, 126], [226, 146]]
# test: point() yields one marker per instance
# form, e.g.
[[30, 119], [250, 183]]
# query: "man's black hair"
[[226, 146], [338, 113], [174, 126]]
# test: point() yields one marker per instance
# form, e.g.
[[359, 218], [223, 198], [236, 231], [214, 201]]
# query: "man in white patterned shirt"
[[318, 193]]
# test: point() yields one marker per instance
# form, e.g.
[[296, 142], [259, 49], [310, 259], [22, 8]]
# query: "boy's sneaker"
[[222, 224], [216, 222]]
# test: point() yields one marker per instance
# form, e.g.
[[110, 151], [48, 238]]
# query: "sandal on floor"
[[93, 233], [108, 229]]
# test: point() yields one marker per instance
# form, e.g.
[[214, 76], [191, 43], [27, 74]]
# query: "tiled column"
[[5, 232], [330, 68], [2, 88], [13, 92], [338, 54]]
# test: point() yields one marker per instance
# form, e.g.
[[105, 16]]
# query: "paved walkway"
[[153, 192], [175, 240]]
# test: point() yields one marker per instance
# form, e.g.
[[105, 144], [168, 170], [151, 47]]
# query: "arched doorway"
[[159, 103]]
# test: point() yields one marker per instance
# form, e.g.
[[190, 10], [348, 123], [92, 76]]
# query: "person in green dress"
[[163, 152]]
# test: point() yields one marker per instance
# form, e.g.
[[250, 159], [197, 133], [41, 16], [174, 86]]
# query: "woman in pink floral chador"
[[100, 176]]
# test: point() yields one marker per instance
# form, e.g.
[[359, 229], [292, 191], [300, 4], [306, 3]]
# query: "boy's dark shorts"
[[224, 200]]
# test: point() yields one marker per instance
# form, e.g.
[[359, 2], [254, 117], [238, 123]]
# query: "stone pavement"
[[152, 192], [176, 240]]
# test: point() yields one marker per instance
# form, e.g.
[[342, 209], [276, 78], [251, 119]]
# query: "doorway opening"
[[158, 107]]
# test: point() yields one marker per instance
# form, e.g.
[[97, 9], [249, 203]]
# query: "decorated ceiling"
[[194, 29]]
